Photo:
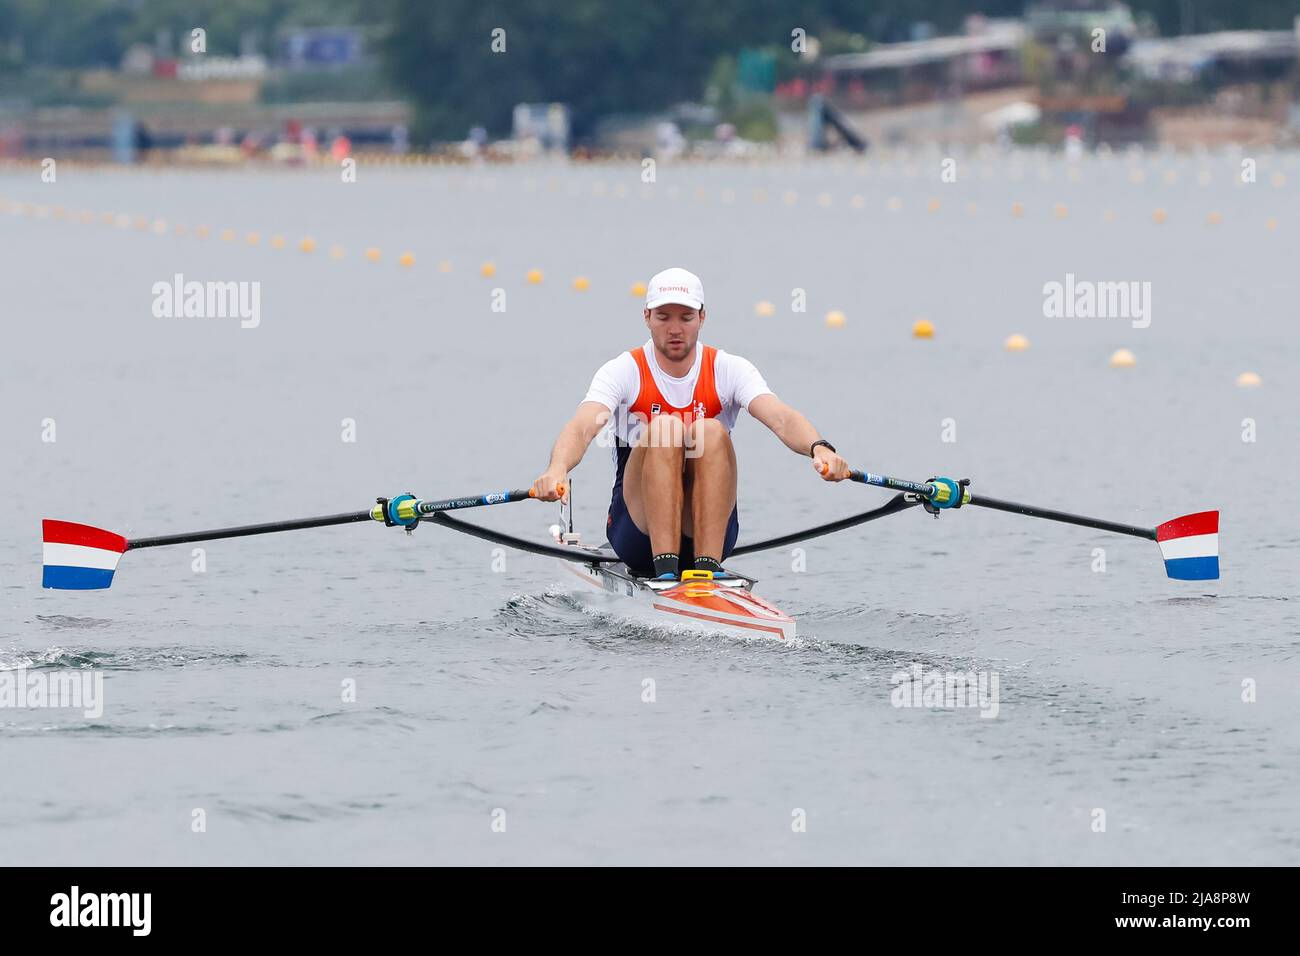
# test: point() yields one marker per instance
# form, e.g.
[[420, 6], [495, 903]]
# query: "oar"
[[1188, 544], [80, 557]]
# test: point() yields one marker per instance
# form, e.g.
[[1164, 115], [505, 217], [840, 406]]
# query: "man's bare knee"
[[706, 436]]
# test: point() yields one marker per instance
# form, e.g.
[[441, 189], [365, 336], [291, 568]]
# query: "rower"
[[673, 402]]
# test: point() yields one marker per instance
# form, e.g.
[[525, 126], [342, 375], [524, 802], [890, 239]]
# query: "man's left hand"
[[829, 464]]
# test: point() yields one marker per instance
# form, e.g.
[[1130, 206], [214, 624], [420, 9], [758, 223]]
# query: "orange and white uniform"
[[635, 389]]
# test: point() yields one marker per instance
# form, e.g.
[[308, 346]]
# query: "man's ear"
[[702, 315], [645, 314]]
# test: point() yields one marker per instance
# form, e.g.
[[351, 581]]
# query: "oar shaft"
[[406, 510], [1062, 516], [929, 490], [241, 531], [477, 501], [925, 490]]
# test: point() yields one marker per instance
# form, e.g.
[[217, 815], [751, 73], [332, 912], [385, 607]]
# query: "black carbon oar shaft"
[[1063, 516]]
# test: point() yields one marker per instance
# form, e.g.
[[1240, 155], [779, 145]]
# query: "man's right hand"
[[550, 485]]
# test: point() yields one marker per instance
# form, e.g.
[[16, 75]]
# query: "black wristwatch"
[[812, 451]]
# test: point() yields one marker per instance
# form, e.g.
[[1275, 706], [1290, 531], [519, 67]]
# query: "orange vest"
[[704, 400]]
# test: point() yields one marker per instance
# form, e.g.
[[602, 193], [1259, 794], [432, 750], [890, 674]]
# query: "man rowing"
[[674, 402]]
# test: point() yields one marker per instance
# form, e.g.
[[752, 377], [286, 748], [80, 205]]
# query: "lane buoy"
[[1016, 343], [765, 309], [1122, 358], [835, 319], [922, 329], [1249, 380]]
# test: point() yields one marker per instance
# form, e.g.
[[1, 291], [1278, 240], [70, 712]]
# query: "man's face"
[[674, 329]]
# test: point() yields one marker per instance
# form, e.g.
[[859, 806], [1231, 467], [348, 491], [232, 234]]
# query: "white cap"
[[675, 285]]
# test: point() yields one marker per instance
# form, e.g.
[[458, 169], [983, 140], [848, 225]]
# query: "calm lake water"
[[483, 692]]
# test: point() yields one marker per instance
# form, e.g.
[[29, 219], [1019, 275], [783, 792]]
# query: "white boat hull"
[[725, 606]]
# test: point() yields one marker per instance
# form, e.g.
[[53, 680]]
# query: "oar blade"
[[77, 557], [1190, 546]]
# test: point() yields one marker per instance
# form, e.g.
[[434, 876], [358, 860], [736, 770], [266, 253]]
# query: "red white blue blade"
[[78, 557], [1190, 546]]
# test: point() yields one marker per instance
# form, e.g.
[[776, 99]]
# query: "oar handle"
[[938, 493], [406, 509]]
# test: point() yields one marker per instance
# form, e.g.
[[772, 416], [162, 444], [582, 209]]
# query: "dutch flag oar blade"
[[78, 557], [1190, 546]]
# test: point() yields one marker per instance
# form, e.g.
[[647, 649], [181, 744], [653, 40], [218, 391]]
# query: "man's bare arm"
[[798, 434], [570, 446]]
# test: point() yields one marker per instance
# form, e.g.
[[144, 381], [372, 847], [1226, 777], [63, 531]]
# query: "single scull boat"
[[82, 557]]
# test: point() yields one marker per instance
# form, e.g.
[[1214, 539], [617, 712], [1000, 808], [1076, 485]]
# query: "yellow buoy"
[[638, 289], [252, 238], [407, 260], [336, 252], [1122, 358], [277, 242], [1213, 219], [487, 270], [922, 329], [1017, 209], [1060, 210], [1016, 343], [1109, 215], [893, 204], [159, 227], [227, 235], [534, 276], [581, 284], [1159, 216], [444, 266], [1271, 223], [179, 229], [835, 319], [932, 206], [372, 254], [766, 309], [308, 244], [1249, 380]]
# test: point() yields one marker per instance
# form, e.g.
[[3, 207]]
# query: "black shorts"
[[632, 545]]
